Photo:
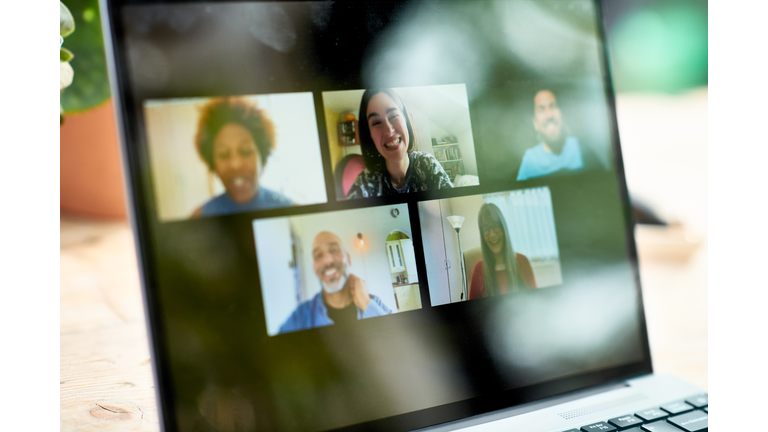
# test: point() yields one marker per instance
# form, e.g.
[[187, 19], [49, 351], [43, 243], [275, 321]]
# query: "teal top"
[[538, 162], [265, 199]]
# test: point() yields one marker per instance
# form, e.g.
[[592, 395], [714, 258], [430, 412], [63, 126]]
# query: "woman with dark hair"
[[234, 139], [386, 140], [497, 272]]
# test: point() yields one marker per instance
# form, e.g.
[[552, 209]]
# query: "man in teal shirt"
[[344, 297], [555, 151]]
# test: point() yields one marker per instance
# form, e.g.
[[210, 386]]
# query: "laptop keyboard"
[[689, 415]]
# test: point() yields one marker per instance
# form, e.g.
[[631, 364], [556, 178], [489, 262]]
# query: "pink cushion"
[[352, 170]]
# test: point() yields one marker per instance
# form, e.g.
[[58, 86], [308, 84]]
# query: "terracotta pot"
[[91, 174]]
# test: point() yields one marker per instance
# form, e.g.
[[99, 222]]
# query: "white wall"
[[467, 146], [181, 178], [421, 126], [295, 167], [369, 262], [437, 132], [273, 246]]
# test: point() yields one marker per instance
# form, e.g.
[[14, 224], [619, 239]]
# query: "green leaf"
[[91, 87], [66, 21], [65, 55]]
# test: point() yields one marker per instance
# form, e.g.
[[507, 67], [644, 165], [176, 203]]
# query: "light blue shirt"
[[538, 162], [224, 204], [313, 313]]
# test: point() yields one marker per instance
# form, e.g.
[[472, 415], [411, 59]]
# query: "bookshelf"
[[449, 156]]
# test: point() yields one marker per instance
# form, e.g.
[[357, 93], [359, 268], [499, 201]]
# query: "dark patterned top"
[[424, 173]]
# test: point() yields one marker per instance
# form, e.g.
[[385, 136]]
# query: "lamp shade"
[[456, 221]]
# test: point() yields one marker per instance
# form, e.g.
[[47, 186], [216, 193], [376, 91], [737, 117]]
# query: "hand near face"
[[358, 289]]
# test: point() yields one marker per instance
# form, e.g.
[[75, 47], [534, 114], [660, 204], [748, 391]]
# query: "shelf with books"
[[449, 156], [447, 153]]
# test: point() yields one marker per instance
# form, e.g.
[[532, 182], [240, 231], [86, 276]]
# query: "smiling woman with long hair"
[[498, 272], [386, 140], [234, 139]]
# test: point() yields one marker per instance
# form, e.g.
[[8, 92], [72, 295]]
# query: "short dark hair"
[[374, 161], [543, 89], [221, 111]]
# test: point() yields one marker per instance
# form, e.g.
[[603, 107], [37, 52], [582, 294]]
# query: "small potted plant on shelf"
[[91, 179]]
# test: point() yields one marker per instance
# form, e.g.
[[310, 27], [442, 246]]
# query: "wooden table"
[[106, 377]]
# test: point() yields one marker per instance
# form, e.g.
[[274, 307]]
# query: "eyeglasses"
[[496, 229]]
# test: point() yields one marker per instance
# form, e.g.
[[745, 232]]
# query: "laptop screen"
[[375, 214]]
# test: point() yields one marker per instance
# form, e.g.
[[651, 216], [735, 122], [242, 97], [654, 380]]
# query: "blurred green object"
[[90, 86], [659, 45]]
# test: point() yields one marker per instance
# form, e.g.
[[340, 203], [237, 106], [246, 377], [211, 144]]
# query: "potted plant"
[[91, 179]]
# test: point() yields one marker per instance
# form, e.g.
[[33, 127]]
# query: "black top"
[[342, 316]]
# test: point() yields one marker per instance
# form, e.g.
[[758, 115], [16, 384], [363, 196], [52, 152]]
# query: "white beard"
[[334, 288], [338, 285]]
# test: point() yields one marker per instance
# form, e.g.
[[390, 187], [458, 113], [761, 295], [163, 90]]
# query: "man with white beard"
[[344, 297]]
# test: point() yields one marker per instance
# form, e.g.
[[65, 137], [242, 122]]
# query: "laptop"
[[384, 216]]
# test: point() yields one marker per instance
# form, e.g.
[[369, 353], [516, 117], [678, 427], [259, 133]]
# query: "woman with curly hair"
[[386, 140], [234, 139]]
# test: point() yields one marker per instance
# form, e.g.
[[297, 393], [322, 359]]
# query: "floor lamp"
[[456, 222]]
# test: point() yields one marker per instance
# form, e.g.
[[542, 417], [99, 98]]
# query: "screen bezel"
[[140, 214]]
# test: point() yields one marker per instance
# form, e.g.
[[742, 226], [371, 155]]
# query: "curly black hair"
[[374, 161], [219, 112]]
